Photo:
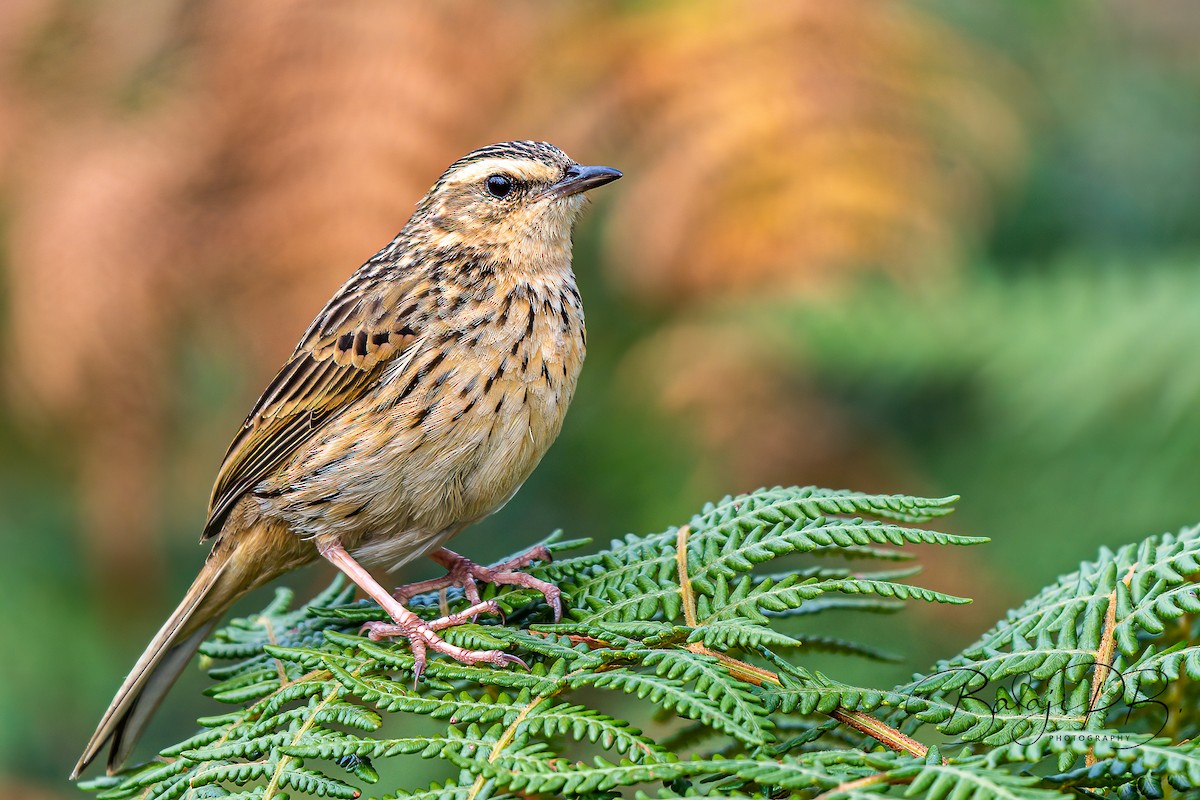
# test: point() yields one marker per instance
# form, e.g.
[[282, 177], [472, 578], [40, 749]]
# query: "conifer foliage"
[[1088, 690]]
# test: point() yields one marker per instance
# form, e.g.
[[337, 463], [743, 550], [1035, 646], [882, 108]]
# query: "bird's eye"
[[499, 186]]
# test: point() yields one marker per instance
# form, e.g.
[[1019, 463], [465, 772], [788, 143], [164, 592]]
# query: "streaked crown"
[[509, 198]]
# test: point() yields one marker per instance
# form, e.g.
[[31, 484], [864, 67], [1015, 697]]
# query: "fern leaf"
[[1060, 696]]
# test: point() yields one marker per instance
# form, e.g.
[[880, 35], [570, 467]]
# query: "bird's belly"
[[438, 464], [472, 465]]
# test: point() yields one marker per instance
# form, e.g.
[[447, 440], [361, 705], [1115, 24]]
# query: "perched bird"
[[417, 402]]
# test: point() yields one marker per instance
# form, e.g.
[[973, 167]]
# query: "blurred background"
[[928, 247]]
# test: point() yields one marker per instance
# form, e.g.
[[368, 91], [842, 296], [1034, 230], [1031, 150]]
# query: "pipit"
[[417, 402]]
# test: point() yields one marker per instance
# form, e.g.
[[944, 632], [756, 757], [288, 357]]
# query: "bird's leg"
[[461, 571], [421, 635]]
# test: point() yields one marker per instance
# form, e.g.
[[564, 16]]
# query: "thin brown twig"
[[1104, 659], [503, 742], [858, 783], [265, 621], [858, 720], [272, 789], [686, 593], [881, 731]]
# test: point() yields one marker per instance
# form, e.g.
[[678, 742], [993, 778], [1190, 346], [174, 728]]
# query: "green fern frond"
[[683, 622]]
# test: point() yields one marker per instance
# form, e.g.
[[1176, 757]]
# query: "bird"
[[417, 402]]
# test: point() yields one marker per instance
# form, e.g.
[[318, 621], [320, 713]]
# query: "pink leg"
[[420, 634], [463, 572]]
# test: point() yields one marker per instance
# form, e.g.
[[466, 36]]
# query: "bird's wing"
[[364, 327]]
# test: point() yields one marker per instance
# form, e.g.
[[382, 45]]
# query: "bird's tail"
[[213, 591]]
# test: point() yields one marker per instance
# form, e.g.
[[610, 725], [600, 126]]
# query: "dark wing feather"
[[340, 358]]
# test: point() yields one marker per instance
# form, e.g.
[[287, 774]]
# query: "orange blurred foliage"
[[784, 146], [217, 168], [293, 139]]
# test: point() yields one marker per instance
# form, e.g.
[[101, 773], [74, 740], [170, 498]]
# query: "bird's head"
[[517, 200]]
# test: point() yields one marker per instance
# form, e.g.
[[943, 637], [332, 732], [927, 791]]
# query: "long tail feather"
[[161, 664]]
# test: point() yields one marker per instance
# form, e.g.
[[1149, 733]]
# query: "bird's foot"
[[422, 637], [463, 572]]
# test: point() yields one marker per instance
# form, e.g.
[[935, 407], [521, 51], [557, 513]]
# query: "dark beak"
[[579, 178]]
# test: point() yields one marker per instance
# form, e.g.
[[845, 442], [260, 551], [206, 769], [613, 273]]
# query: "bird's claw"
[[422, 636], [463, 572], [511, 659]]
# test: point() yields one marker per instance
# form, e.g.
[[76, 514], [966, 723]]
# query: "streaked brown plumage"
[[418, 401]]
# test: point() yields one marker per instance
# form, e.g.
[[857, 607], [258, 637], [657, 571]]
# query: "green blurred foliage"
[[1060, 403]]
